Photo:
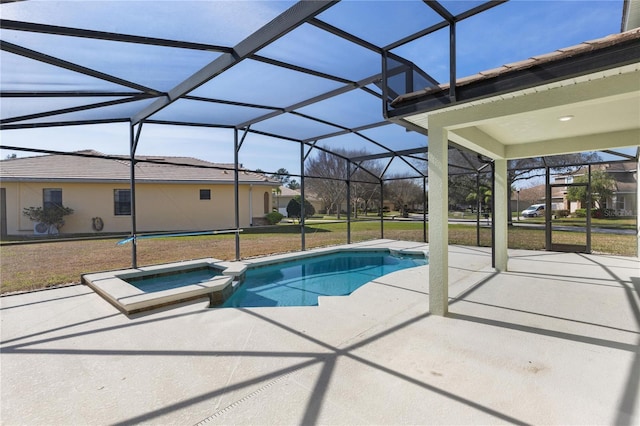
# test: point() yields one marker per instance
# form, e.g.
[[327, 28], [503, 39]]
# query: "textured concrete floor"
[[553, 341]]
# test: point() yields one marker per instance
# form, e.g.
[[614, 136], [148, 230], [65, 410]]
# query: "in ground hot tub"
[[150, 287]]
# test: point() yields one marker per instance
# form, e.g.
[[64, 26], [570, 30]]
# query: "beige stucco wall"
[[160, 207]]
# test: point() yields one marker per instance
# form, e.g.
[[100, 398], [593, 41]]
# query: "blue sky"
[[507, 33]]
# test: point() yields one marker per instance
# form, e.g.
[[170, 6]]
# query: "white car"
[[533, 211]]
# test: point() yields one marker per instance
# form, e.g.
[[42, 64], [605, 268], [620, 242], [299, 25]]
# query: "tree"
[[602, 187], [52, 217], [484, 194], [365, 184], [528, 168], [293, 184], [282, 175], [11, 156], [463, 188], [295, 206], [405, 193], [518, 170], [328, 174]]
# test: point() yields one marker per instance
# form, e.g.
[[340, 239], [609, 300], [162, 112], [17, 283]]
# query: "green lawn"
[[43, 264], [624, 223]]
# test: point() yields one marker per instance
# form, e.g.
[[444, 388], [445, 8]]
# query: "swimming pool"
[[300, 282], [291, 279]]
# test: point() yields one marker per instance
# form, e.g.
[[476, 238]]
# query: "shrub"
[[581, 212], [561, 213], [50, 216], [274, 217], [294, 207]]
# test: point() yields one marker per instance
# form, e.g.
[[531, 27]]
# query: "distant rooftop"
[[90, 165], [288, 192]]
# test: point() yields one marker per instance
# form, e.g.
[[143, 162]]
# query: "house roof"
[[93, 166], [532, 65], [531, 194], [578, 99], [624, 174], [288, 192], [536, 194]]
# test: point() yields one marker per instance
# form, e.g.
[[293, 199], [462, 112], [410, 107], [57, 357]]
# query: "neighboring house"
[[168, 197], [281, 197], [622, 203], [314, 200], [536, 195], [526, 197], [624, 200]]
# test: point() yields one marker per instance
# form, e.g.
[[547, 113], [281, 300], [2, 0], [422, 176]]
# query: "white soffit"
[[602, 103], [586, 118]]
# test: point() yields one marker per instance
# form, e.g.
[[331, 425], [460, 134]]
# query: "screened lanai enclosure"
[[321, 89]]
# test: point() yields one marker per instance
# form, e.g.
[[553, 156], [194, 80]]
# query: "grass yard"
[[34, 266], [618, 223]]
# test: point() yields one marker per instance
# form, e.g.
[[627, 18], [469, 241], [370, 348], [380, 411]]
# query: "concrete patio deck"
[[556, 340]]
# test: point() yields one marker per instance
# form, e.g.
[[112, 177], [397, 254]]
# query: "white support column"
[[501, 213], [438, 220]]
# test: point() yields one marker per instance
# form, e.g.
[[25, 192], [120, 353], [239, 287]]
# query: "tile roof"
[[90, 166], [288, 192], [566, 52], [625, 176], [537, 194]]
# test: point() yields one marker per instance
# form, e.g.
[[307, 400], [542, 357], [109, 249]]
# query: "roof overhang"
[[604, 108], [81, 180], [508, 116]]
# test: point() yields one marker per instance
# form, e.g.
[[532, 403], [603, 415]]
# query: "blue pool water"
[[300, 282], [150, 284]]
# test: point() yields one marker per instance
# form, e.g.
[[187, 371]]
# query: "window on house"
[[205, 194], [122, 202], [266, 203], [617, 202], [51, 197]]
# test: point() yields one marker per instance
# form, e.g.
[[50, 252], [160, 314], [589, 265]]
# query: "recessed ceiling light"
[[565, 117]]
